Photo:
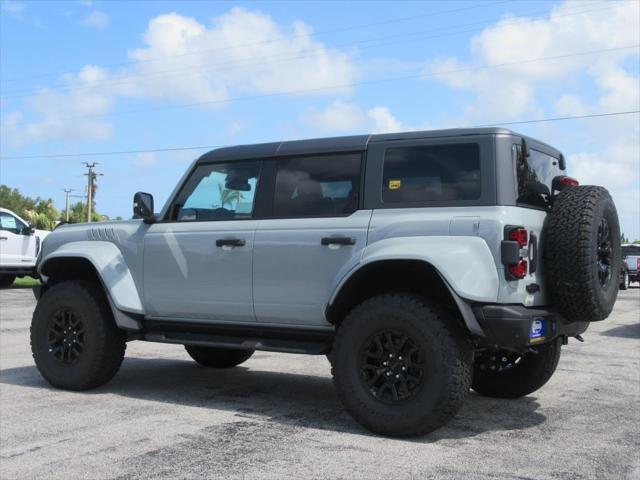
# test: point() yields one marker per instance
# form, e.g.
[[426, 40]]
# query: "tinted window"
[[221, 191], [317, 186], [630, 250], [431, 173], [535, 175]]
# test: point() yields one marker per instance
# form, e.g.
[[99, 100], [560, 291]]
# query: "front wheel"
[[75, 342], [402, 367], [504, 374], [218, 357]]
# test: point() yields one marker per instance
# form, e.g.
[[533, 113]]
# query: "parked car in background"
[[19, 247], [624, 276], [631, 257]]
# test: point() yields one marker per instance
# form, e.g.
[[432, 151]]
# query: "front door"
[[316, 231], [198, 262], [17, 246]]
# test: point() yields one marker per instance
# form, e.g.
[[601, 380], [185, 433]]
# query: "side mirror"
[[143, 207], [30, 229]]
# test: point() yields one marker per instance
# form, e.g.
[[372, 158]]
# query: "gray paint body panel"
[[283, 275]]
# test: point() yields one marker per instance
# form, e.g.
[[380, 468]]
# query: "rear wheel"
[[218, 357], [74, 340], [6, 280], [504, 374], [401, 366]]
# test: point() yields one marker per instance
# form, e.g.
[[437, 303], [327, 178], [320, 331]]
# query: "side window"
[[535, 176], [431, 173], [10, 223], [317, 186], [219, 191]]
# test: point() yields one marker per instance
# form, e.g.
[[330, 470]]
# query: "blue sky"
[[96, 76]]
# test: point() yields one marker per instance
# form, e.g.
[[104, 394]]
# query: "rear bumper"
[[516, 327]]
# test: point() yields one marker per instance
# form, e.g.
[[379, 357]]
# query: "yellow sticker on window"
[[395, 184]]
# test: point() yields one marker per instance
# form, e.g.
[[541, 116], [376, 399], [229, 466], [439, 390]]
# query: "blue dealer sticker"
[[537, 330]]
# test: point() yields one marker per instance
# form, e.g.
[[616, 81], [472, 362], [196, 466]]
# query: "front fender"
[[466, 263], [111, 267]]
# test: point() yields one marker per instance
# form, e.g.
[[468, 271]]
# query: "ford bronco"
[[423, 264]]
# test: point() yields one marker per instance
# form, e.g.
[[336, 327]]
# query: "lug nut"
[[397, 376], [400, 357], [391, 355], [404, 368]]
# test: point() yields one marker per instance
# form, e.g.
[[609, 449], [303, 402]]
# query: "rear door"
[[198, 262], [315, 230]]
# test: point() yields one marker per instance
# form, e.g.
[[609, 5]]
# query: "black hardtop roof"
[[352, 143]]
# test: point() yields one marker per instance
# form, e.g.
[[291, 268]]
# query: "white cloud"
[[97, 19], [65, 116], [242, 53], [342, 116], [601, 151], [510, 91]]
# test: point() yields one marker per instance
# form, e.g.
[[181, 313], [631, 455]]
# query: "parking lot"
[[278, 416]]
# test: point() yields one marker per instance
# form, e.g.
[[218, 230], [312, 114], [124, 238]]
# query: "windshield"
[[630, 250], [535, 175]]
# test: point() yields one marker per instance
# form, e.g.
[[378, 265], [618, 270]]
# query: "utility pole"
[[90, 184], [67, 194]]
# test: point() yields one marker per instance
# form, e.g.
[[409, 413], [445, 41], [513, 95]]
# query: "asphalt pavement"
[[278, 416]]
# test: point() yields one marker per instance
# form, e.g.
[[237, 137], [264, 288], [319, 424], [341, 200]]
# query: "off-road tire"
[[527, 376], [447, 359], [218, 357], [571, 253], [104, 343], [6, 280]]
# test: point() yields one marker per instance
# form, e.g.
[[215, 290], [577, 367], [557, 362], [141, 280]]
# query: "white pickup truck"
[[19, 247]]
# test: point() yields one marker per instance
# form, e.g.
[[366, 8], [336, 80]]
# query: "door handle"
[[231, 242], [338, 241], [4, 238]]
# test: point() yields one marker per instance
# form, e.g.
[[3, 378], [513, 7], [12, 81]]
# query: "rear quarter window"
[[431, 173], [535, 175]]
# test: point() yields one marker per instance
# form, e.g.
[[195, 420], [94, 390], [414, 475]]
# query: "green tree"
[[78, 214], [229, 196], [39, 211]]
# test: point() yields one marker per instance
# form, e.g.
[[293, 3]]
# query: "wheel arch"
[[398, 275], [103, 264]]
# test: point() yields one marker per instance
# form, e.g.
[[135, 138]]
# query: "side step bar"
[[313, 342]]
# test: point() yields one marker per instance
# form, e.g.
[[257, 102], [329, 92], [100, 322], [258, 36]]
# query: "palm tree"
[[229, 196]]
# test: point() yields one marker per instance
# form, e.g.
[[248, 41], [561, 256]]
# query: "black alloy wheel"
[[604, 253], [66, 336], [392, 366]]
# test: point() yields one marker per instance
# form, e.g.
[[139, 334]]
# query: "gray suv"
[[422, 264]]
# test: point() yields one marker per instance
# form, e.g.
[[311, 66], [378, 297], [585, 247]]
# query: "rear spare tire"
[[582, 253]]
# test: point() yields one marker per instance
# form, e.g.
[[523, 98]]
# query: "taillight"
[[519, 235], [569, 182], [519, 270], [514, 250], [561, 182]]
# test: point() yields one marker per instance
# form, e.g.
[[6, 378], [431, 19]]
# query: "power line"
[[284, 39], [231, 64], [208, 147], [331, 87]]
